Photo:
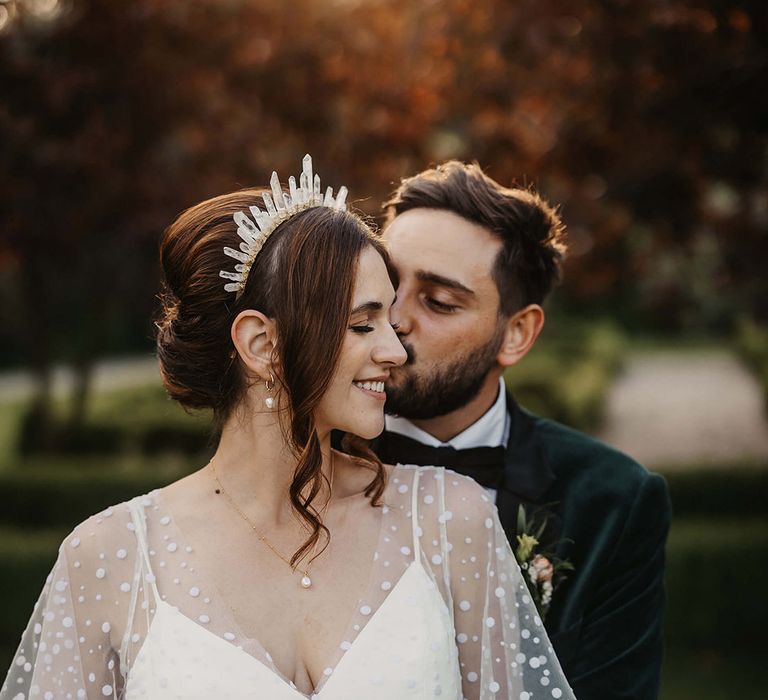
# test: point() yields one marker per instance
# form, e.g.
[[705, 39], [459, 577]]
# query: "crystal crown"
[[280, 206]]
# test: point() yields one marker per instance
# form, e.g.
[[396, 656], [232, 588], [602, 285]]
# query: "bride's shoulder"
[[109, 534], [451, 497]]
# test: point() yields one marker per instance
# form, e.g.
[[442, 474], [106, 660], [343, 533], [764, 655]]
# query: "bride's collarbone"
[[300, 629]]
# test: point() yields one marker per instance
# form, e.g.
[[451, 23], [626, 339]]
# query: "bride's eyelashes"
[[361, 329], [368, 328]]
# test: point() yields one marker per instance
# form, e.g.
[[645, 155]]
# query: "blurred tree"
[[646, 121]]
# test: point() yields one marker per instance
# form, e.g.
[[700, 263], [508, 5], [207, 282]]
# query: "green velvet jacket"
[[610, 517]]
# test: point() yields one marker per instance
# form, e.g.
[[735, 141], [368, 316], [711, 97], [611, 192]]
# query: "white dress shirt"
[[490, 430]]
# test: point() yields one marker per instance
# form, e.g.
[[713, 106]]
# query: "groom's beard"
[[447, 387]]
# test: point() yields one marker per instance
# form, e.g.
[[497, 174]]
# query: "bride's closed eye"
[[368, 328], [361, 329]]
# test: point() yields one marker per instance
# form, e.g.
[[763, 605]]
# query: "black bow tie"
[[483, 464]]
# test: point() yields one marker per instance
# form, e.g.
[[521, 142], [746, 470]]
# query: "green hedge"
[[61, 496], [137, 420], [706, 673], [752, 345], [66, 491], [715, 575], [730, 491], [568, 373], [25, 560]]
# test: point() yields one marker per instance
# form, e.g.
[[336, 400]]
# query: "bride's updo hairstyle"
[[303, 279]]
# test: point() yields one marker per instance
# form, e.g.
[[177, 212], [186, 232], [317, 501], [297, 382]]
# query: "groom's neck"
[[447, 427]]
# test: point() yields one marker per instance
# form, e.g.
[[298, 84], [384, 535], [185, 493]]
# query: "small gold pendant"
[[306, 582]]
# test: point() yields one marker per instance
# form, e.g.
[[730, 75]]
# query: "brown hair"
[[302, 278], [533, 236]]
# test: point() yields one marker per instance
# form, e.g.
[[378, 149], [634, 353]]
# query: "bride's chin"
[[369, 431]]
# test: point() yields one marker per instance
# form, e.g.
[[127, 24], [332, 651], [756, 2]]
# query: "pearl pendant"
[[270, 402], [306, 582]]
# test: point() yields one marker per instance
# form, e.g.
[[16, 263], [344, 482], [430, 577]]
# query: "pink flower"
[[542, 569]]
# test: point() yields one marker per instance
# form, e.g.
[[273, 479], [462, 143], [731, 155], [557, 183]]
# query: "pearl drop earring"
[[269, 402]]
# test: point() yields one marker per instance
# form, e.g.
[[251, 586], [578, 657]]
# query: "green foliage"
[[11, 419], [711, 562], [139, 420], [64, 493], [739, 490], [567, 374], [752, 344], [706, 673], [26, 557]]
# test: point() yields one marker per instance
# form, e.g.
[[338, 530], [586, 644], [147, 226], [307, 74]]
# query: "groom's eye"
[[440, 306]]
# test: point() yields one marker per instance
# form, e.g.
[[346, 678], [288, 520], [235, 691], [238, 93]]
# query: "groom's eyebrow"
[[433, 278]]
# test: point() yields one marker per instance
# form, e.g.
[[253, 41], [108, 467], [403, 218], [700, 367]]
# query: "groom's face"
[[447, 309]]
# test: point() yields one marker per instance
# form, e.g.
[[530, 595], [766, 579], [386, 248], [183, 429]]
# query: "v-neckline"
[[256, 641], [273, 670]]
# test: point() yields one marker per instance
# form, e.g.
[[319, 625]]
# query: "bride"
[[284, 569]]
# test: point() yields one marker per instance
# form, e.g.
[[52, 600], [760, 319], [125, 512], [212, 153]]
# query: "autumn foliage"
[[645, 121]]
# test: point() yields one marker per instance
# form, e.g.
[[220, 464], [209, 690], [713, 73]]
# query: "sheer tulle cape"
[[98, 603]]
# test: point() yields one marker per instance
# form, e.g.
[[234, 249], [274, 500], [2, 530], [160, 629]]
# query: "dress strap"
[[415, 513], [142, 570], [139, 518]]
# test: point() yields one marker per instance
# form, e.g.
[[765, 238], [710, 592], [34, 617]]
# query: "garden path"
[[679, 407]]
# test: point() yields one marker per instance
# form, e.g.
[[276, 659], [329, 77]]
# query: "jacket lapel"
[[528, 476]]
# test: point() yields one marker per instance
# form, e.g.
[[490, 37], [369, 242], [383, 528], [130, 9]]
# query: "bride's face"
[[354, 401]]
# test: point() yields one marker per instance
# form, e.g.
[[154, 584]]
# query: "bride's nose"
[[390, 351]]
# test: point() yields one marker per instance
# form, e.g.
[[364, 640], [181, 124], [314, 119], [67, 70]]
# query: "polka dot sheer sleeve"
[[70, 648], [504, 651], [131, 609]]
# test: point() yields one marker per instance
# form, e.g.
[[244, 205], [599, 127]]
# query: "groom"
[[475, 262]]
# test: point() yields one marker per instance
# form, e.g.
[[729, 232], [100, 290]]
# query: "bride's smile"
[[354, 401]]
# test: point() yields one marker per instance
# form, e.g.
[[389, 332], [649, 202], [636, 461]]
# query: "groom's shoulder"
[[582, 459]]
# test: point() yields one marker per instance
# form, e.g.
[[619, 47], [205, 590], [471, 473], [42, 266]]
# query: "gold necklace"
[[306, 581]]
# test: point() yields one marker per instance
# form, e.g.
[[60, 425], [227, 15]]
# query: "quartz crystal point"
[[307, 172], [277, 192], [246, 229], [269, 204], [279, 206], [236, 254], [295, 199]]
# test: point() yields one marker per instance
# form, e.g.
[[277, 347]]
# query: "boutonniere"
[[542, 570]]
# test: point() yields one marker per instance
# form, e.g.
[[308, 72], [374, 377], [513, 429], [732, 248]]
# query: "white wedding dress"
[[130, 612]]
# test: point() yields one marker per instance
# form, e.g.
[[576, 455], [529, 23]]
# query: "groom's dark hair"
[[530, 263]]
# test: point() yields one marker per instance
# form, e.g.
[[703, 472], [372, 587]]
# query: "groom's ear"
[[520, 333]]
